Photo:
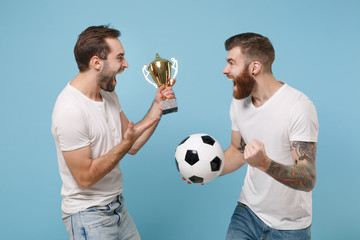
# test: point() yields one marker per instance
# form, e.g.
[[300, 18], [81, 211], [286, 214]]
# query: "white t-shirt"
[[287, 116], [77, 122]]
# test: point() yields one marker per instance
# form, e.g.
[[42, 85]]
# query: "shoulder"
[[296, 95], [67, 96], [294, 100], [304, 123], [300, 101], [67, 105]]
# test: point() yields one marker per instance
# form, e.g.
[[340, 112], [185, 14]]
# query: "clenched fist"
[[255, 155]]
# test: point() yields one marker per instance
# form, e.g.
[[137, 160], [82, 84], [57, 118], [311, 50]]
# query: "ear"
[[255, 68], [96, 62]]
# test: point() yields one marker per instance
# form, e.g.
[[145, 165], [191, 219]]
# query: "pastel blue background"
[[317, 52]]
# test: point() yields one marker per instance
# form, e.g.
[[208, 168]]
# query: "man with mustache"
[[92, 134], [274, 131]]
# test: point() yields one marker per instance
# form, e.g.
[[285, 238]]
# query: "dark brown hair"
[[91, 42], [254, 46]]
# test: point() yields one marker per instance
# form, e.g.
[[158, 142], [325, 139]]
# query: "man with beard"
[[92, 135], [274, 130]]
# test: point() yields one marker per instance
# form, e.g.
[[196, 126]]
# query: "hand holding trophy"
[[160, 70]]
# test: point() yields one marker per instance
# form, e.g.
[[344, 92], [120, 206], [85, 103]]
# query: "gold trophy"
[[160, 70]]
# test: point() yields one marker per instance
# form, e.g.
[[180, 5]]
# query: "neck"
[[86, 82], [265, 86]]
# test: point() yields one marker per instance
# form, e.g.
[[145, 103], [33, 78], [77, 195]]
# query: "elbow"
[[312, 182], [84, 183], [308, 189], [131, 148], [133, 151]]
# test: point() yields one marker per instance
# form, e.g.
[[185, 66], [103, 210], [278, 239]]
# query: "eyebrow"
[[230, 59], [120, 55]]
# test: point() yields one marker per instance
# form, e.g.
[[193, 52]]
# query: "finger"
[[161, 88], [250, 145], [258, 145], [189, 182], [168, 90], [251, 150], [183, 178], [246, 154], [168, 95], [172, 82], [251, 142]]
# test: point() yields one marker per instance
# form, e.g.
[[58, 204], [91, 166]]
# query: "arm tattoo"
[[301, 175], [242, 145], [304, 151]]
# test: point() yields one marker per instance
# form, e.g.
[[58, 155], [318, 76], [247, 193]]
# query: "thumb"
[[131, 125], [161, 88], [172, 83]]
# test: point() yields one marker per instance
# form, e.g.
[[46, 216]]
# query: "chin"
[[237, 96], [108, 89], [111, 89]]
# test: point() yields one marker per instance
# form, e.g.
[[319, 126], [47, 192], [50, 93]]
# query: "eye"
[[230, 62], [120, 57]]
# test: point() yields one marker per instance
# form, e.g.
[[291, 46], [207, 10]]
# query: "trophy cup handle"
[[175, 67], [146, 74]]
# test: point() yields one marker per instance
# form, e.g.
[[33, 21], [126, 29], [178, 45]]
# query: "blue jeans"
[[102, 222], [246, 225]]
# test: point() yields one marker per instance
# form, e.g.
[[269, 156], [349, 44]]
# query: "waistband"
[[118, 199]]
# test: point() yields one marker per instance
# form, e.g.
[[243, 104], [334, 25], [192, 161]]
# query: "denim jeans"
[[246, 225], [102, 223]]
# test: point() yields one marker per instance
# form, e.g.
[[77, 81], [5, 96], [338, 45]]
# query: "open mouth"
[[234, 85]]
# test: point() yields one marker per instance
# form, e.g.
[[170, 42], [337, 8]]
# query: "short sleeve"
[[304, 124], [71, 129], [234, 126]]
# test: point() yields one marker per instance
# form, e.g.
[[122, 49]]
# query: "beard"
[[244, 85], [106, 83], [106, 79]]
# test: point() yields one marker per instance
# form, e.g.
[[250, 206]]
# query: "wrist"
[[156, 109], [126, 144], [267, 164]]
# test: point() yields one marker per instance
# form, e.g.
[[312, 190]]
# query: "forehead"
[[115, 46], [235, 54]]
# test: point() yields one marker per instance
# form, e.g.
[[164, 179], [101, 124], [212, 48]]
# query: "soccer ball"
[[199, 158]]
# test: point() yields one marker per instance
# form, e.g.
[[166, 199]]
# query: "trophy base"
[[169, 106]]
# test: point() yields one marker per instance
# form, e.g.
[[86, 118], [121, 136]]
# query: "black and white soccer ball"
[[199, 158]]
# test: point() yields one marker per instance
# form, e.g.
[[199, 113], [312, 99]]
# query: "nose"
[[226, 70], [125, 63]]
